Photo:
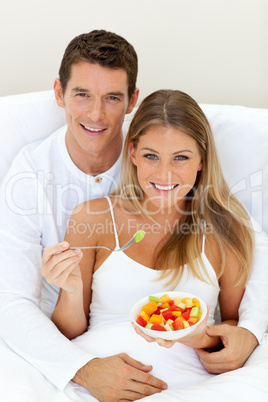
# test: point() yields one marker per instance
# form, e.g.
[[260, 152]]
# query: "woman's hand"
[[197, 339], [60, 267]]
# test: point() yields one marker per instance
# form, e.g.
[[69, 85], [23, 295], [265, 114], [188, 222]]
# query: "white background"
[[215, 50]]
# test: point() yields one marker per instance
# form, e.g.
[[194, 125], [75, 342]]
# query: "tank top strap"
[[113, 220]]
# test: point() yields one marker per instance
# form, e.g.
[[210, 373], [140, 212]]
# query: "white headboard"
[[241, 136]]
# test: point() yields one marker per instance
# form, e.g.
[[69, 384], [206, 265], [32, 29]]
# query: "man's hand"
[[118, 378], [238, 344]]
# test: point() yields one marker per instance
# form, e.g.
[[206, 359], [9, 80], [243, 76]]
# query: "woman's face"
[[167, 162]]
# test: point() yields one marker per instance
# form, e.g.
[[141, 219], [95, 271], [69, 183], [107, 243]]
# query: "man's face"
[[95, 102]]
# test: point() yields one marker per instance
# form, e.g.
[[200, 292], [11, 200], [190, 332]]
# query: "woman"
[[198, 239]]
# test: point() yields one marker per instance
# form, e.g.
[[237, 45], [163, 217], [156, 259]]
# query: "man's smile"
[[92, 130]]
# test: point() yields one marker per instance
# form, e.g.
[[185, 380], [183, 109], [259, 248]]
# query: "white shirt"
[[37, 197]]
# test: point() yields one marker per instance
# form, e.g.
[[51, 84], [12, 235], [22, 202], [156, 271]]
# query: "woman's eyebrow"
[[149, 149], [174, 153]]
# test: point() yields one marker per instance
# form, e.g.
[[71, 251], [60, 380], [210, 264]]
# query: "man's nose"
[[95, 111]]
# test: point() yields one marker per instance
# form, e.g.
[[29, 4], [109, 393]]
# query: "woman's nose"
[[164, 173]]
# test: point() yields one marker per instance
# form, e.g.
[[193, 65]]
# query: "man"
[[96, 87]]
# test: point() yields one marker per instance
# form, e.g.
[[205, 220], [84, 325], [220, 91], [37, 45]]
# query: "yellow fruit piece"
[[188, 302], [144, 315], [155, 319], [177, 300], [165, 306], [196, 302], [164, 309], [169, 322], [176, 313], [186, 324], [150, 307], [165, 298], [168, 327]]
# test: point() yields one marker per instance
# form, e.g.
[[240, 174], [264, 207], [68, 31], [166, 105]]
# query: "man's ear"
[[132, 153], [58, 92], [133, 101]]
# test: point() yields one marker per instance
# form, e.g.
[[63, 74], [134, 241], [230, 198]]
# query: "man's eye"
[[82, 94], [113, 98]]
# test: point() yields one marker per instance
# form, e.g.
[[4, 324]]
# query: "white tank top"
[[121, 281]]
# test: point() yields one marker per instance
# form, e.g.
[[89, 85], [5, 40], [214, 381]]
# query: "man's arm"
[[24, 327], [239, 342]]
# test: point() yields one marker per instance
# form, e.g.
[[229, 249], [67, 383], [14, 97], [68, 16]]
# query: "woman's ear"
[[200, 166], [58, 92], [132, 153]]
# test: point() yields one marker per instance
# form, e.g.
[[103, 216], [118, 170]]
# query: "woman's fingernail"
[[148, 366], [65, 244]]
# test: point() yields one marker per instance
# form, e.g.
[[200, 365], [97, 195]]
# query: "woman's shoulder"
[[99, 208], [88, 210]]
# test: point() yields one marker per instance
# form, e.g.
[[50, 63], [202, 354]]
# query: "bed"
[[241, 136]]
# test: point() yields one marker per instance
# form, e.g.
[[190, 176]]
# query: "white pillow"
[[26, 118], [241, 136]]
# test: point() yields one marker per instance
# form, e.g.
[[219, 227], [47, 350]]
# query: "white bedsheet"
[[20, 382]]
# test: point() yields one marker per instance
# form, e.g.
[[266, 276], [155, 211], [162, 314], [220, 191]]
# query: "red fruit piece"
[[176, 308], [158, 310], [167, 314], [141, 321], [158, 327], [177, 325], [186, 315]]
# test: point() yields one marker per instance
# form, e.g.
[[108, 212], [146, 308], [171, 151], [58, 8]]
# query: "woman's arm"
[[72, 272], [230, 297]]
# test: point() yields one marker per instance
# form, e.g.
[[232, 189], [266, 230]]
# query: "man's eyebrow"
[[79, 89], [111, 93], [115, 93]]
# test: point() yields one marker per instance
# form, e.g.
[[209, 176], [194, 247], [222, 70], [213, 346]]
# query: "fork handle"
[[86, 248]]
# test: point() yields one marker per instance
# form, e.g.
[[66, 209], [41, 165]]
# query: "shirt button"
[[98, 179]]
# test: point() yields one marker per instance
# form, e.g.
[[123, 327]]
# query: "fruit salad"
[[166, 314]]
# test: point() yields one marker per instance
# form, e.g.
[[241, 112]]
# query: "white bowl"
[[168, 335]]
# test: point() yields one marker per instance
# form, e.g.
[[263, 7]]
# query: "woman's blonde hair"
[[209, 204]]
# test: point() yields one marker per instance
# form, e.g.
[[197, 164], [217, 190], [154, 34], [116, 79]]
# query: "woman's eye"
[[181, 157], [150, 156]]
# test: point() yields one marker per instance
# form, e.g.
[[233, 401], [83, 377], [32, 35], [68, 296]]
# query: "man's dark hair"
[[104, 48]]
